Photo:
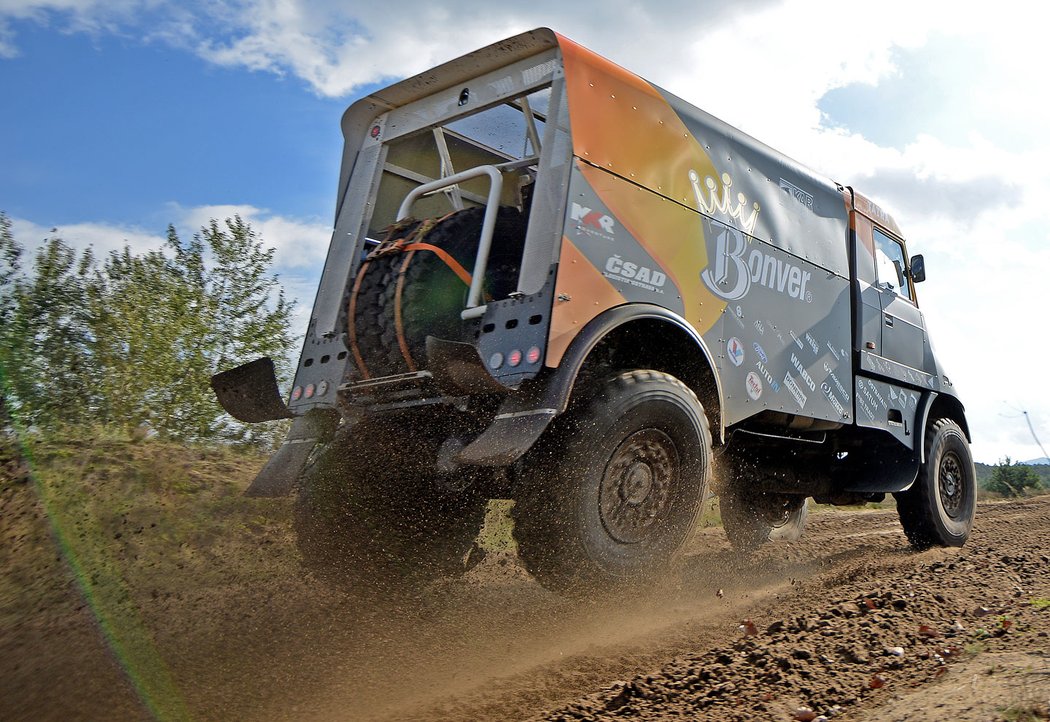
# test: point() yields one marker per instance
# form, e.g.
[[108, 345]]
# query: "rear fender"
[[525, 415], [560, 388]]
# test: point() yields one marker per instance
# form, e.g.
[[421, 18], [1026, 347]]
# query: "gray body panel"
[[800, 212]]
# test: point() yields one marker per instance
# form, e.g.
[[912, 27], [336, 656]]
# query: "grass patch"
[[1025, 712], [497, 533], [115, 525]]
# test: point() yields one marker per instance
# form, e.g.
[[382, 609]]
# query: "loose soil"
[[188, 602]]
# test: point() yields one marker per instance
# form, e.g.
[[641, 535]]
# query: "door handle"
[[889, 320]]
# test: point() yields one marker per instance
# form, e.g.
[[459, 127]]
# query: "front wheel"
[[612, 493], [939, 507]]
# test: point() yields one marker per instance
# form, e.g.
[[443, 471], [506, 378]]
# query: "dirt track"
[[847, 622]]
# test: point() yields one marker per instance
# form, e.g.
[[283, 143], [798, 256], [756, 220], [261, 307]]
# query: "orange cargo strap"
[[448, 260], [398, 326], [354, 348], [444, 255], [411, 243]]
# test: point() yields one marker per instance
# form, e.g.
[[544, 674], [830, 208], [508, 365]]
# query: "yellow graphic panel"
[[581, 293], [670, 233], [624, 125]]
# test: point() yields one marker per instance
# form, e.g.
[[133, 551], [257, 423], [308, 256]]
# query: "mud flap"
[[249, 392], [282, 471], [458, 369], [507, 438]]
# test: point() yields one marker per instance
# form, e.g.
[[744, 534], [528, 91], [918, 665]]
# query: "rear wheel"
[[938, 509], [372, 512], [750, 519], [612, 492]]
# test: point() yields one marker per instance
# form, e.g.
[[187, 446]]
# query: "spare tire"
[[415, 285]]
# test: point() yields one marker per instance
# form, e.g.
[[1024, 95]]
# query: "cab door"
[[903, 327], [867, 295]]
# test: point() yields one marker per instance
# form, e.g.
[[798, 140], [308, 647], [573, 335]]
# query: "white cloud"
[[300, 244], [101, 237]]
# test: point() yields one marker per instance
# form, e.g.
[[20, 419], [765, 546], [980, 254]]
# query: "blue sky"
[[111, 128], [121, 116]]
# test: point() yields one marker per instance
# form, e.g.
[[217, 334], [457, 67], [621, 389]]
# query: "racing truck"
[[553, 282]]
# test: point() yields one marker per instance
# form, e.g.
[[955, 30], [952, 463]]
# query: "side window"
[[890, 264]]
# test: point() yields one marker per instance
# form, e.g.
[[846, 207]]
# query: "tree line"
[[1014, 479], [132, 339]]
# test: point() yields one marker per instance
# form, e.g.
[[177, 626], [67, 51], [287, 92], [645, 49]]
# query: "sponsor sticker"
[[737, 265], [794, 390], [754, 386], [803, 373], [826, 388], [633, 274], [835, 380], [797, 193], [593, 223], [735, 349], [760, 352], [773, 384]]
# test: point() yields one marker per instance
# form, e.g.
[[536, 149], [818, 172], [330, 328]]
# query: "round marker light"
[[514, 357], [309, 391], [495, 360], [533, 354], [297, 393], [322, 388]]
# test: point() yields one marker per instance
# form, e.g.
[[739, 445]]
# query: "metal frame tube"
[[488, 226]]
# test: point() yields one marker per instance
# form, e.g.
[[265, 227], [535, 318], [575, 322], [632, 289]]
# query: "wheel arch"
[[942, 406], [643, 336]]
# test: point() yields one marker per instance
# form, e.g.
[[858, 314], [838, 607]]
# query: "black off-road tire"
[[751, 519], [432, 295], [373, 515], [938, 509], [612, 491]]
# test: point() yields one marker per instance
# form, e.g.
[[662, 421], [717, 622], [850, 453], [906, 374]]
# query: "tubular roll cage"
[[474, 308]]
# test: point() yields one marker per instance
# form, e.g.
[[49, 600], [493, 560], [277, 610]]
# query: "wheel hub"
[[949, 483], [637, 484], [635, 493]]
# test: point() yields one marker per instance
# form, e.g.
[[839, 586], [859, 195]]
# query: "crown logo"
[[720, 200]]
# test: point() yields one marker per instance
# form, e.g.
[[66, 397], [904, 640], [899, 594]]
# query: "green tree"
[[48, 360], [165, 322], [1012, 479], [143, 335], [137, 338], [10, 269]]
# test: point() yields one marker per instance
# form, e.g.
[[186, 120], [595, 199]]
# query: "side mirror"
[[918, 268]]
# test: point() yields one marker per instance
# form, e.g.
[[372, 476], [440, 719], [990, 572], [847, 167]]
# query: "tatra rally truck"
[[553, 282]]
